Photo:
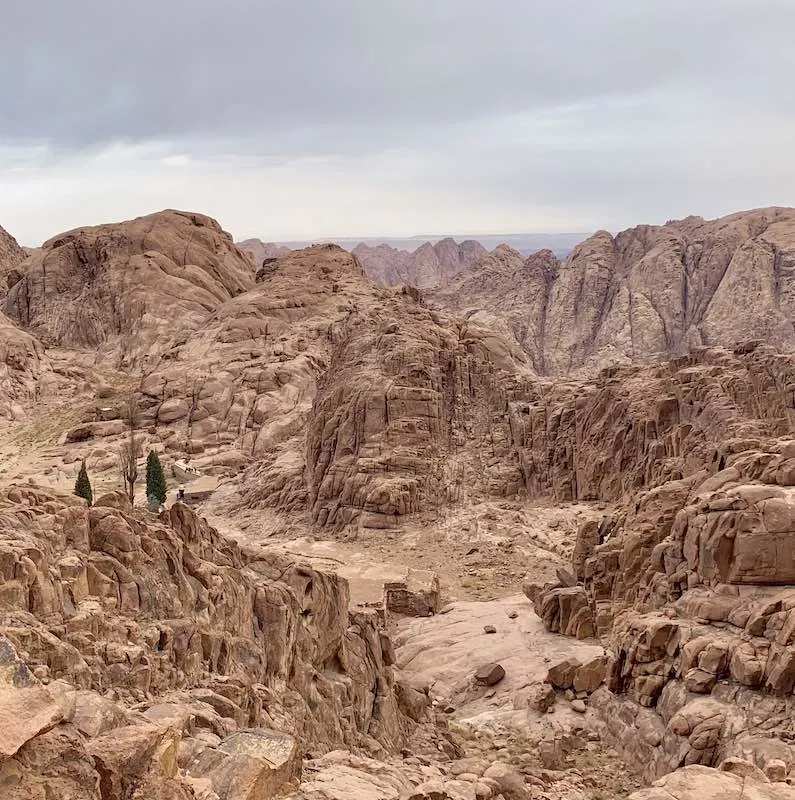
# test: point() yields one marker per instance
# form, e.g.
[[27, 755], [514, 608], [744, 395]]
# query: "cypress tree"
[[155, 479], [83, 484]]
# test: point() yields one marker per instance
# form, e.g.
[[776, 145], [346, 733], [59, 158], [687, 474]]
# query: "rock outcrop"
[[11, 256], [428, 265], [128, 289], [152, 649], [648, 294], [351, 401], [690, 581], [697, 783], [22, 365]]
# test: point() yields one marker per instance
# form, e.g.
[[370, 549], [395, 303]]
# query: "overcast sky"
[[290, 119]]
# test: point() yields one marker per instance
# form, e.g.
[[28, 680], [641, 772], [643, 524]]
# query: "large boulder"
[[699, 783], [249, 765], [26, 707]]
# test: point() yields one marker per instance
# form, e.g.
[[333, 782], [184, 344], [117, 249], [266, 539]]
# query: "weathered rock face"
[[504, 287], [634, 428], [132, 286], [191, 642], [11, 256], [22, 364], [429, 265], [697, 783], [648, 294], [691, 581], [353, 400]]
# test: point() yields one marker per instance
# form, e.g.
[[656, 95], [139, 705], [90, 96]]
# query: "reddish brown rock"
[[647, 294], [124, 285]]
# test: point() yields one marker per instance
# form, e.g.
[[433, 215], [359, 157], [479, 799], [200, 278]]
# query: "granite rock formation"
[[648, 294], [23, 365], [152, 650], [690, 580], [349, 400], [334, 405], [129, 288], [428, 265], [506, 289], [11, 256]]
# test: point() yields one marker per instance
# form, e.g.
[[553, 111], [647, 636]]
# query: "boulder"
[[417, 596], [590, 676], [249, 765], [697, 782], [26, 707], [562, 674], [489, 674], [510, 782], [541, 697]]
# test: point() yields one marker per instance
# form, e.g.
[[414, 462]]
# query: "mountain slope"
[[647, 294], [133, 284], [259, 250], [11, 256]]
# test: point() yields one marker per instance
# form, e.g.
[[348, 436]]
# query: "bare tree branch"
[[130, 450]]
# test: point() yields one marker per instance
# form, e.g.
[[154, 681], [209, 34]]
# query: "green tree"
[[83, 484], [155, 479]]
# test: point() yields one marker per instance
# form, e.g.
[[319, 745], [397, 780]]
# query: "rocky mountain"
[[428, 265], [358, 426], [258, 250], [130, 288], [647, 294], [11, 255]]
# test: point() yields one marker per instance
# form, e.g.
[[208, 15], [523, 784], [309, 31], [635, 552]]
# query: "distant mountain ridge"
[[420, 261], [428, 265]]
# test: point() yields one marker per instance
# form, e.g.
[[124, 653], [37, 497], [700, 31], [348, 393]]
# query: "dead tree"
[[130, 450]]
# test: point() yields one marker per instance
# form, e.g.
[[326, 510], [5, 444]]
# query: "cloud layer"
[[290, 120]]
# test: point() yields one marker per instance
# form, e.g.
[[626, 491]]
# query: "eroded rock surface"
[[131, 287], [648, 294], [169, 653], [11, 256]]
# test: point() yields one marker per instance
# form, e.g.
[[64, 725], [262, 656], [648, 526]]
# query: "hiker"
[[181, 494]]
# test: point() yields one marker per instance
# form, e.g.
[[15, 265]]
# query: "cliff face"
[[11, 256], [647, 294], [689, 580]]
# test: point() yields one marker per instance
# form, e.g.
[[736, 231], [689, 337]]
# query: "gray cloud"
[[569, 103]]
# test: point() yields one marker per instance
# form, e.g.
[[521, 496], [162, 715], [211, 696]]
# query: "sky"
[[295, 119]]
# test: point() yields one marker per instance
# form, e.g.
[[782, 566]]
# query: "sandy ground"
[[482, 552]]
